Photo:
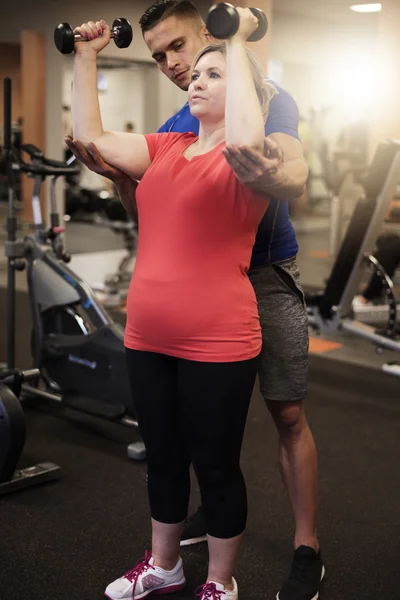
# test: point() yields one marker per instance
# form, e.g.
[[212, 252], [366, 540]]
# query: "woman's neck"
[[210, 137]]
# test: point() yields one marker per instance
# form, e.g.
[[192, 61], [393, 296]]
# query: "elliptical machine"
[[13, 435], [77, 347], [12, 421], [116, 285]]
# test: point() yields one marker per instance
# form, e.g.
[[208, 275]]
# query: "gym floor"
[[69, 539]]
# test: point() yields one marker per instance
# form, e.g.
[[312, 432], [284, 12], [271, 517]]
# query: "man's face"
[[173, 44]]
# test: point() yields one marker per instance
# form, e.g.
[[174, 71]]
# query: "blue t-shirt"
[[276, 238]]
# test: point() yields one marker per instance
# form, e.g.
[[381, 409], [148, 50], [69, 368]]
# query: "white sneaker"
[[145, 579], [216, 591]]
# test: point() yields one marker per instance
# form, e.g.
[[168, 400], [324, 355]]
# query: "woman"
[[192, 333]]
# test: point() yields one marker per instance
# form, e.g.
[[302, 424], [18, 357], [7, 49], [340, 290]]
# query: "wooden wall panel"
[[33, 65]]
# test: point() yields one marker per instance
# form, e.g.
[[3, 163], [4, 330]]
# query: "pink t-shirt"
[[189, 295]]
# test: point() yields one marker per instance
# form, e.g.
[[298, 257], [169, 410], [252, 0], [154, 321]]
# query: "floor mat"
[[69, 539]]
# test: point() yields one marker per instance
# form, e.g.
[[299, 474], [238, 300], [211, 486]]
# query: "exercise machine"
[[102, 209], [13, 436], [116, 285], [387, 252], [76, 345], [334, 178], [330, 310]]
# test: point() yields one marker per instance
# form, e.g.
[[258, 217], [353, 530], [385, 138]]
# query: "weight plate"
[[262, 28], [223, 21], [125, 33], [64, 38]]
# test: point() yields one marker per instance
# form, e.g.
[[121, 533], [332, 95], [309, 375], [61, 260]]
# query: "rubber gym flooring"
[[67, 540]]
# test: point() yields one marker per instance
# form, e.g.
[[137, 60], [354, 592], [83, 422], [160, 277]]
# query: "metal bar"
[[27, 376], [368, 332], [78, 38], [11, 227], [336, 218], [41, 393], [31, 374], [126, 421]]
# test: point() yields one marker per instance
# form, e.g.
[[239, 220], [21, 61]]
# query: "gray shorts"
[[284, 323]]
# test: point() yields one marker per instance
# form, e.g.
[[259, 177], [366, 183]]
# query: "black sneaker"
[[194, 529], [305, 576]]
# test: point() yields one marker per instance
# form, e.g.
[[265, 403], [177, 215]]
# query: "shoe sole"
[[169, 589], [317, 594], [195, 540]]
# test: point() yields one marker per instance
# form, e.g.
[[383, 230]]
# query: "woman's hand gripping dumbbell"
[[65, 38]]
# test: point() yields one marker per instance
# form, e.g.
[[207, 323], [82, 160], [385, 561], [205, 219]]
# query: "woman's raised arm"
[[126, 151]]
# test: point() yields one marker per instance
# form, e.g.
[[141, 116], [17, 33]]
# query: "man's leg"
[[297, 456], [282, 375]]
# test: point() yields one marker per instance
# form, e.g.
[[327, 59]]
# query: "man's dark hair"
[[161, 10]]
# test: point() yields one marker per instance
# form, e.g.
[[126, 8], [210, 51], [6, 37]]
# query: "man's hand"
[[280, 171], [250, 166], [93, 160]]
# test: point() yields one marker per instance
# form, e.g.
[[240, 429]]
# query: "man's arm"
[[280, 172], [92, 159]]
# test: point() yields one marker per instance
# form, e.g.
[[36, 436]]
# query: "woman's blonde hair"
[[265, 90]]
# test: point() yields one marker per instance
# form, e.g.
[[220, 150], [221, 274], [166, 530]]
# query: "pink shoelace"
[[209, 591], [140, 567]]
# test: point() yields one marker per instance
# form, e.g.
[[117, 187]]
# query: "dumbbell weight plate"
[[64, 38], [125, 34], [262, 25], [223, 21]]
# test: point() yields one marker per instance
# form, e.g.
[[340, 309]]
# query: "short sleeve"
[[158, 142], [283, 115]]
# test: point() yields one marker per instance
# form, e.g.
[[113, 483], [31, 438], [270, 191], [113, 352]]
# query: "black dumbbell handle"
[[79, 38]]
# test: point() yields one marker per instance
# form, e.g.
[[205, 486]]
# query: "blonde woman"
[[193, 334]]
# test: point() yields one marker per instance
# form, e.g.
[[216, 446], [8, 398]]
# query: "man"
[[174, 32]]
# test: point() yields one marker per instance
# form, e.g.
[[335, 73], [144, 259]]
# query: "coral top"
[[190, 296]]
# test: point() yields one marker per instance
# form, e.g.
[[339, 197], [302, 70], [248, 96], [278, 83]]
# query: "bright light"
[[366, 8], [353, 83]]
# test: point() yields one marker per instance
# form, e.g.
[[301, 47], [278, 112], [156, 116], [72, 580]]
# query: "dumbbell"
[[223, 22], [65, 38]]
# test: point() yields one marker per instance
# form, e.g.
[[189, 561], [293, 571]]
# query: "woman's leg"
[[215, 400], [154, 388]]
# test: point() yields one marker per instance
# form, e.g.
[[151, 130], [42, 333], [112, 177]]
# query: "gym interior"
[[88, 519]]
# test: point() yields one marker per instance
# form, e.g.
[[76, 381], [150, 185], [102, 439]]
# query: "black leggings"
[[193, 412]]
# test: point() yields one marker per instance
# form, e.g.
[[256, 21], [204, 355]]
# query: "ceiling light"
[[366, 7]]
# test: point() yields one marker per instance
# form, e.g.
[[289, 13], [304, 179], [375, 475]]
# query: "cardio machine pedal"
[[41, 473], [94, 406]]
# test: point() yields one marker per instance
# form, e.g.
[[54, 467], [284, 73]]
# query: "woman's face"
[[208, 88]]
